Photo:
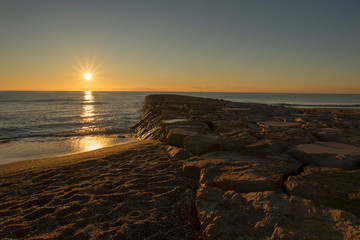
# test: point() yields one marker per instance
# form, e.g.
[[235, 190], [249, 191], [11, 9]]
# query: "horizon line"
[[161, 91]]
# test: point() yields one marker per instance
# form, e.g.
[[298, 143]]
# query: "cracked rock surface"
[[270, 215], [264, 172], [333, 187]]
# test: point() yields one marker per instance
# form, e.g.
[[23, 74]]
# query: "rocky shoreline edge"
[[263, 172], [201, 169]]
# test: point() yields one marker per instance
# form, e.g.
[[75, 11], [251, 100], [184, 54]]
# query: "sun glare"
[[87, 76], [88, 73]]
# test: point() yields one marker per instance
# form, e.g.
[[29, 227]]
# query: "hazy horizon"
[[161, 46], [175, 92]]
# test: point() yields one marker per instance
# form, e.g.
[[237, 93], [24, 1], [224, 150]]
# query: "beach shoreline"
[[47, 154], [57, 160]]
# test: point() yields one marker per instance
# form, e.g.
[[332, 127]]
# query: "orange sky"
[[299, 47]]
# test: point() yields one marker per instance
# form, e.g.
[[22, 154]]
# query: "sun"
[[87, 76]]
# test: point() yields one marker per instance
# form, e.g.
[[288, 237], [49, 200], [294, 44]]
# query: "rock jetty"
[[263, 172]]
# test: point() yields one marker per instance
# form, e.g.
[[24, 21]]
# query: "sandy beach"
[[201, 169], [130, 191]]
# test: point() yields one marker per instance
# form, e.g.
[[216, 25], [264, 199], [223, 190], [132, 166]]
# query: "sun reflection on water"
[[92, 143], [88, 97], [88, 108], [88, 113], [89, 143]]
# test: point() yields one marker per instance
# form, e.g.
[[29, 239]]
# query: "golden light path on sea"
[[89, 143]]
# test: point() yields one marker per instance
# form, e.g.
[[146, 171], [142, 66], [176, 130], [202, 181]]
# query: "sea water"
[[44, 124]]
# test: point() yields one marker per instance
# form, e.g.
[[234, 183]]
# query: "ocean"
[[44, 124]]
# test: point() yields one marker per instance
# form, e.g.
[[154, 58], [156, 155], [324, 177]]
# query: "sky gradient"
[[308, 46]]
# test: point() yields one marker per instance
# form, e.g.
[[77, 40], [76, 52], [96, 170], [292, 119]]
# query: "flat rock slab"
[[236, 109], [292, 136], [303, 115], [279, 124], [275, 126], [329, 154], [232, 171], [249, 145], [332, 187], [169, 121], [270, 215], [237, 142], [228, 126], [177, 132], [347, 136], [200, 144], [176, 137]]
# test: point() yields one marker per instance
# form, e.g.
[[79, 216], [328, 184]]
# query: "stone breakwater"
[[263, 172]]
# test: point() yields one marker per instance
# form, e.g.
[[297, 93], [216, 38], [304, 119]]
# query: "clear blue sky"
[[256, 46]]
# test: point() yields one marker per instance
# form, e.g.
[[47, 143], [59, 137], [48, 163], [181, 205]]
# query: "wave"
[[120, 133], [72, 101], [41, 100]]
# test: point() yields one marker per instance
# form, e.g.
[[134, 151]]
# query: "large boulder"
[[270, 215], [332, 187], [200, 144], [178, 131], [247, 144], [233, 171], [236, 142], [277, 126], [194, 126], [329, 134], [176, 136], [346, 135], [329, 154], [228, 126], [292, 136]]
